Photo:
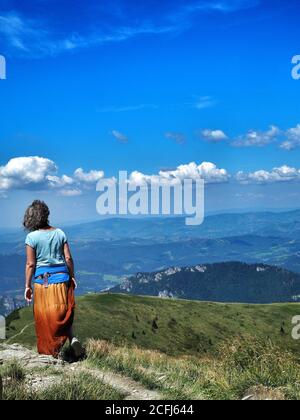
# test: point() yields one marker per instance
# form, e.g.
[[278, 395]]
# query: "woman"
[[50, 264]]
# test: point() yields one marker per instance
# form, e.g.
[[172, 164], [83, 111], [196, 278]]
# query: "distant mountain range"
[[226, 282], [283, 225], [103, 264], [107, 250], [159, 229]]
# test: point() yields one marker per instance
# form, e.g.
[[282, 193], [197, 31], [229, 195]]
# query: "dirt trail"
[[20, 333], [133, 390], [31, 360]]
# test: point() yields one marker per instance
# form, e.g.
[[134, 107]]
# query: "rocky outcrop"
[[9, 304], [25, 357]]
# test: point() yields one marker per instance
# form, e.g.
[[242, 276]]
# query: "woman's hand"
[[28, 294]]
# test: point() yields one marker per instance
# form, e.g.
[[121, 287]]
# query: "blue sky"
[[145, 86]]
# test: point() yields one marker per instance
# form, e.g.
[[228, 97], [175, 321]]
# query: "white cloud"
[[213, 136], [258, 138], [207, 171], [91, 177], [119, 136], [29, 172], [179, 138], [292, 139], [41, 174], [59, 182], [288, 145], [281, 174]]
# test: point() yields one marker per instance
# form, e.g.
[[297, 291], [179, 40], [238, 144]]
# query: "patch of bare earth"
[[39, 381], [260, 393]]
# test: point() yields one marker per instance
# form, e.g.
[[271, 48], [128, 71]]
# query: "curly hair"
[[36, 216]]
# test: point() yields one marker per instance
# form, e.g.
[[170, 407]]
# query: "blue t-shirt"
[[48, 245]]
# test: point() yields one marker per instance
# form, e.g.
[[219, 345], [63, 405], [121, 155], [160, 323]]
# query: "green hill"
[[175, 327]]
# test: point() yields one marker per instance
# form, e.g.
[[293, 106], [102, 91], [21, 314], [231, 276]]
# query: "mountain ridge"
[[229, 282], [248, 222]]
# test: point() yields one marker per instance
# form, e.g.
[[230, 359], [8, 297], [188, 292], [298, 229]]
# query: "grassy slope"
[[183, 327], [239, 368]]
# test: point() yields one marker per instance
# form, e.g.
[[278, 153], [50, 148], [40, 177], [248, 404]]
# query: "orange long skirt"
[[54, 314]]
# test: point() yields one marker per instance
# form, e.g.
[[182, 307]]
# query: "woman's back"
[[48, 245], [50, 265]]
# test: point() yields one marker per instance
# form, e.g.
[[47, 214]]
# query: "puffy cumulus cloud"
[[292, 139], [258, 138], [281, 174], [289, 139], [38, 173], [88, 177], [207, 171], [213, 136], [178, 138], [26, 173], [60, 182]]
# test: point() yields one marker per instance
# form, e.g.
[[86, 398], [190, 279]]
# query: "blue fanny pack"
[[54, 274]]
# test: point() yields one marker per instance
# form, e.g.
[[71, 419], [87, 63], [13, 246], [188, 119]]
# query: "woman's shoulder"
[[61, 233], [32, 234], [39, 233], [31, 239]]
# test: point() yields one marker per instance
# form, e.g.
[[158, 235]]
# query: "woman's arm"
[[29, 272], [69, 260]]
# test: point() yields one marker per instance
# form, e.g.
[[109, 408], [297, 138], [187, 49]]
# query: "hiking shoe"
[[77, 348]]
